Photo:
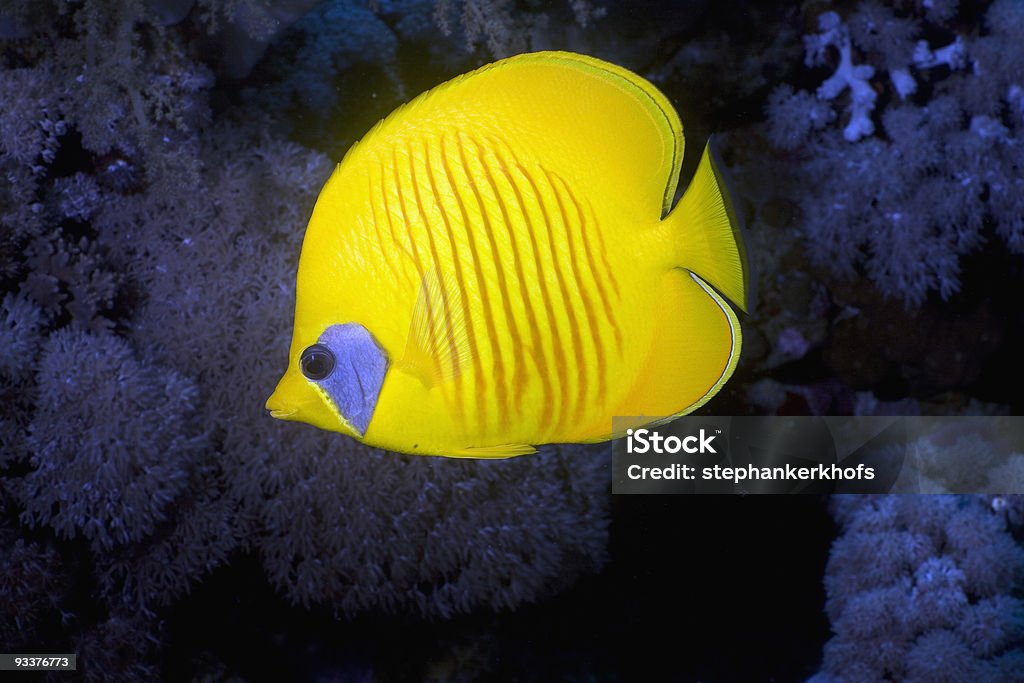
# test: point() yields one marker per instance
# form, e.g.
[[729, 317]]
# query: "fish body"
[[495, 266]]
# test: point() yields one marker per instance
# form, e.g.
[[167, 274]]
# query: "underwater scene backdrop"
[[160, 159]]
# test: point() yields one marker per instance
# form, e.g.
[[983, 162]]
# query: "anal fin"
[[508, 450], [703, 330]]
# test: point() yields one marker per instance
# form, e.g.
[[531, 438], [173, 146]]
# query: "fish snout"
[[280, 408]]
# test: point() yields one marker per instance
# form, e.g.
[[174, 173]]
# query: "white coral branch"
[[847, 75]]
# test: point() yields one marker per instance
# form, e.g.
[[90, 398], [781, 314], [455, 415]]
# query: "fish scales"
[[594, 355], [515, 243], [458, 255], [515, 220], [501, 230], [447, 302], [384, 193], [519, 247]]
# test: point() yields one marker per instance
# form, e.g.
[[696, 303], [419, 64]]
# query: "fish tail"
[[707, 234]]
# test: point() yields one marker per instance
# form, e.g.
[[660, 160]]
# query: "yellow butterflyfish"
[[498, 265]]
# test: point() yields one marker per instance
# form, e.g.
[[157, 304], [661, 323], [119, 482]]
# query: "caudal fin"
[[707, 235]]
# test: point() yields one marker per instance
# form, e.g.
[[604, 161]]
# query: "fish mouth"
[[279, 408]]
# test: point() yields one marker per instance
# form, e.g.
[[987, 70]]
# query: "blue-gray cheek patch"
[[360, 364]]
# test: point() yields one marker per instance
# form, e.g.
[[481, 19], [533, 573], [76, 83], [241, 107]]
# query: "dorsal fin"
[[587, 119], [437, 348]]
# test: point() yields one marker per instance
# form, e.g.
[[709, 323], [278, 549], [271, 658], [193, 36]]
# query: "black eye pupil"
[[316, 362]]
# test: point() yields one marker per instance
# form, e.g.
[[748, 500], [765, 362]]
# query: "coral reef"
[[500, 26], [160, 159], [147, 290], [112, 440], [885, 261], [33, 586], [911, 141], [923, 588]]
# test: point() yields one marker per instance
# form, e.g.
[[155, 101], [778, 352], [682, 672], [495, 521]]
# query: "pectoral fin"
[[437, 349]]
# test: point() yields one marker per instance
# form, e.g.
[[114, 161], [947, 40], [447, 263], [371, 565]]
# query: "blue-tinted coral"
[[450, 535], [148, 316], [329, 39], [112, 440], [923, 588], [503, 28], [33, 586], [21, 326], [909, 149]]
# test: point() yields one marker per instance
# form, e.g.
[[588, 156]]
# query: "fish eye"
[[316, 362]]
